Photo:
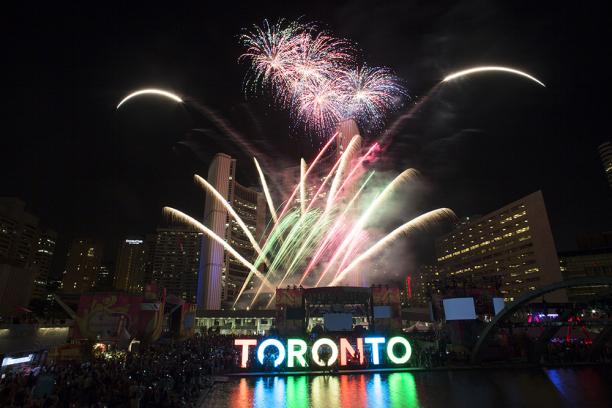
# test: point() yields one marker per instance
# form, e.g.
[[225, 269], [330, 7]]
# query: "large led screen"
[[459, 308], [338, 321], [498, 304], [382, 312]]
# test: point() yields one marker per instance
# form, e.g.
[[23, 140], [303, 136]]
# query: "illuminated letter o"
[[398, 360], [315, 352], [271, 342]]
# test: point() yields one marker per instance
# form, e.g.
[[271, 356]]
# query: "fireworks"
[[419, 222], [369, 92], [315, 76], [264, 185], [475, 70], [319, 244], [219, 197], [325, 238], [160, 92], [186, 219]]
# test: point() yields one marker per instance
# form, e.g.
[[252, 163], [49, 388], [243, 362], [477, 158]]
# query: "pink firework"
[[271, 52], [319, 56], [311, 74], [318, 106]]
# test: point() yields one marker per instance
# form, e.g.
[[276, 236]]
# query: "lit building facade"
[[131, 264], [43, 256], [605, 152], [105, 277], [82, 266], [18, 232], [175, 260], [25, 245], [513, 244], [421, 285], [583, 264], [236, 322], [221, 276]]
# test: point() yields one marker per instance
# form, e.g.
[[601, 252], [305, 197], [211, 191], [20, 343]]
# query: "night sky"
[[87, 169]]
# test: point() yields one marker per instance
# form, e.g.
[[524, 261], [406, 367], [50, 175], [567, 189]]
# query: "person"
[[44, 386]]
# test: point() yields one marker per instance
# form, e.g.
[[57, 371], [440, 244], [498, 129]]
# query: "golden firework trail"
[[417, 223], [186, 219], [264, 185]]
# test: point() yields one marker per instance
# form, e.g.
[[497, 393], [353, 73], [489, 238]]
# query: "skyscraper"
[[25, 246], [605, 152], [513, 243], [175, 261], [82, 266], [346, 131], [18, 232], [221, 276], [131, 262], [45, 248], [105, 277]]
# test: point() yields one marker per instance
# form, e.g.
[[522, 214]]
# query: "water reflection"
[[402, 390], [563, 387], [362, 390], [297, 392]]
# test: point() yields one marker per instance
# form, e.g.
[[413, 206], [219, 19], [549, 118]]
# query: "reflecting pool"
[[576, 387]]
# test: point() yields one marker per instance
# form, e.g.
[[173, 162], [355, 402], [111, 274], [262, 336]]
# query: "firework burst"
[[270, 49], [314, 75], [369, 93], [324, 243]]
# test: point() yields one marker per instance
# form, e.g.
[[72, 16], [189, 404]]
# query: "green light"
[[391, 355], [296, 353], [297, 392], [402, 390]]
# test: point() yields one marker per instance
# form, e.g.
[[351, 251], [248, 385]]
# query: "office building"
[[582, 264], [131, 264], [421, 285], [82, 266], [18, 230], [25, 245], [605, 152], [105, 278], [513, 244], [16, 286], [175, 261], [221, 276], [41, 261]]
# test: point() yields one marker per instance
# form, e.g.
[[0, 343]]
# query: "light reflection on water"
[[469, 388]]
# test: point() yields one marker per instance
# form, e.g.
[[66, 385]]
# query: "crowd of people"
[[176, 374], [160, 375]]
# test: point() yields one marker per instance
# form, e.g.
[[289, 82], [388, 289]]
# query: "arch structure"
[[528, 297]]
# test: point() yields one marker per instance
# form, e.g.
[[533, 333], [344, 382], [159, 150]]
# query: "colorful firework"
[[324, 243], [271, 52], [315, 76], [370, 93]]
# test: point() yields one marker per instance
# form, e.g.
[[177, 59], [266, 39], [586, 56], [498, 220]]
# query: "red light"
[[409, 287]]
